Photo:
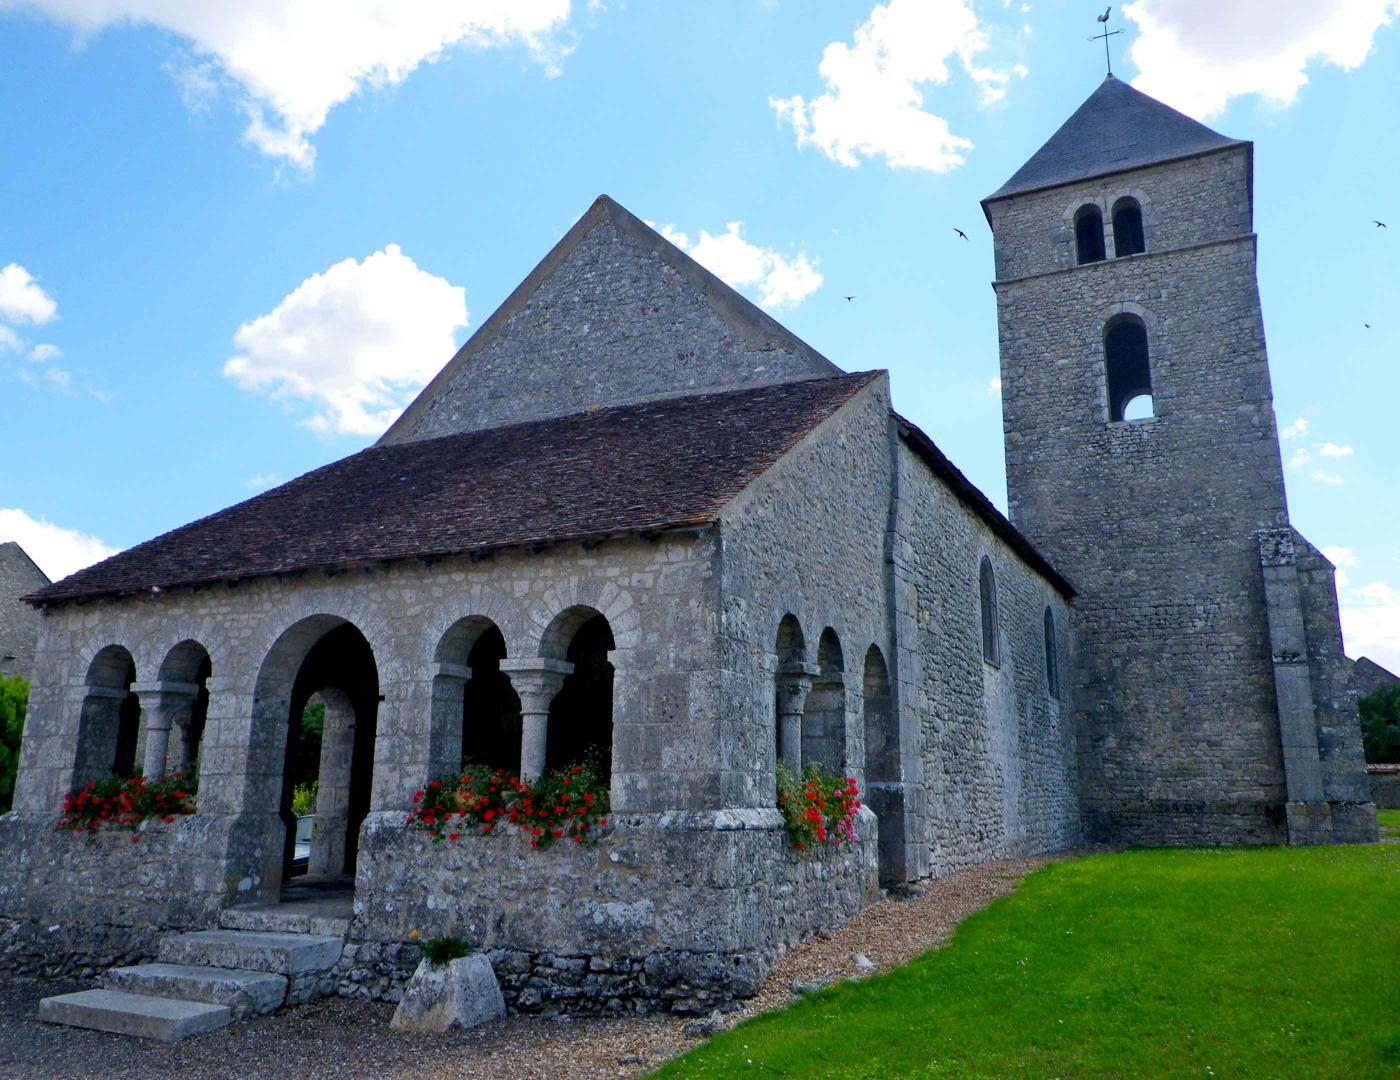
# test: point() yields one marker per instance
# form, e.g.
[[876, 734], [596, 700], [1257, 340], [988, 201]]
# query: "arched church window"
[[1127, 228], [1088, 234], [1052, 662], [1129, 373], [987, 593]]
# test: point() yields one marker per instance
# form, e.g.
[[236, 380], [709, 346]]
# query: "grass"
[[1389, 822], [1273, 962]]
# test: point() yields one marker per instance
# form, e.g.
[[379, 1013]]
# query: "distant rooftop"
[[1116, 129]]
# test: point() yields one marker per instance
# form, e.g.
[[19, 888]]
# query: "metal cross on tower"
[[1107, 33]]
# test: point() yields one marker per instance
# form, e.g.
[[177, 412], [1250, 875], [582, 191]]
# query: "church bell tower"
[[1143, 459]]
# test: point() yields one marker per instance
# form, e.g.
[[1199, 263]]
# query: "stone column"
[[536, 681], [162, 704], [328, 831], [445, 734], [794, 684]]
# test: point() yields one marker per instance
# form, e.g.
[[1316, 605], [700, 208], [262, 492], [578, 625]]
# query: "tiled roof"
[[630, 469], [1116, 129]]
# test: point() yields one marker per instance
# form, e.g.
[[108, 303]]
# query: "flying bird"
[[1366, 325], [1104, 17], [960, 232], [849, 299], [1380, 224]]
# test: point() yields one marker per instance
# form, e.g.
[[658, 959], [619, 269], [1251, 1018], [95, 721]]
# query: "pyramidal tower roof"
[[1116, 129]]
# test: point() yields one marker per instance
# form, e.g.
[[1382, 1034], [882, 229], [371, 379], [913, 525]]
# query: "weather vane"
[[1107, 33]]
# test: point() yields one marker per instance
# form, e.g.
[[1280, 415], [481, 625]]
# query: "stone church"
[[635, 513]]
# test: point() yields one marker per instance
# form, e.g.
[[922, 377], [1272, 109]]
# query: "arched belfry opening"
[[1127, 369], [110, 722], [1088, 235], [580, 716], [1128, 238], [325, 661]]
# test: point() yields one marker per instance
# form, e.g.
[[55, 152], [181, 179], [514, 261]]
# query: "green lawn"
[[1390, 822], [1274, 962]]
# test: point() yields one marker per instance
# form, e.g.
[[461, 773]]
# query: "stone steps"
[[253, 950], [245, 993], [202, 981], [276, 918], [140, 1015]]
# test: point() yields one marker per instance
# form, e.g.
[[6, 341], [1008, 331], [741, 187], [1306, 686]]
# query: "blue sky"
[[234, 242]]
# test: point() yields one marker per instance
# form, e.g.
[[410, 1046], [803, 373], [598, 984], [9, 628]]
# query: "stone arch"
[[824, 717], [793, 683], [178, 711], [580, 723], [555, 618], [476, 711], [109, 722], [325, 655], [990, 614], [884, 791]]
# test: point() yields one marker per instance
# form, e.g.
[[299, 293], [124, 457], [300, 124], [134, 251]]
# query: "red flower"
[[452, 836], [417, 796], [169, 819], [486, 828], [436, 784]]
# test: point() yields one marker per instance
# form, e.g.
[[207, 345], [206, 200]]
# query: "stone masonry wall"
[[678, 911], [19, 623], [619, 316], [997, 747], [1154, 521], [807, 539], [1343, 759]]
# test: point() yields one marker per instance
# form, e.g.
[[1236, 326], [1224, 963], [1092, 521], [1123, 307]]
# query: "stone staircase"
[[261, 958]]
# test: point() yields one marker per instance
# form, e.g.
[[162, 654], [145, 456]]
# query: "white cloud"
[[1197, 55], [782, 281], [994, 388], [1343, 558], [42, 354], [260, 481], [1322, 476], [874, 100], [58, 551], [295, 60], [1328, 449], [1300, 457], [9, 340], [22, 299], [1297, 429], [60, 378], [1371, 622], [357, 341]]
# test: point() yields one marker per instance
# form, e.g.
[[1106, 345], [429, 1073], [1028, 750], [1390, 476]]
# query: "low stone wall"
[[1385, 786], [666, 911], [669, 911]]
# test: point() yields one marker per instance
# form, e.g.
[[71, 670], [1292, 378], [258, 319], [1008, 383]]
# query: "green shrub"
[[14, 699], [442, 950], [1380, 725], [304, 798]]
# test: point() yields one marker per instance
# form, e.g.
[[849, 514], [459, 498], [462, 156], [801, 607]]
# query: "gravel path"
[[341, 1038]]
